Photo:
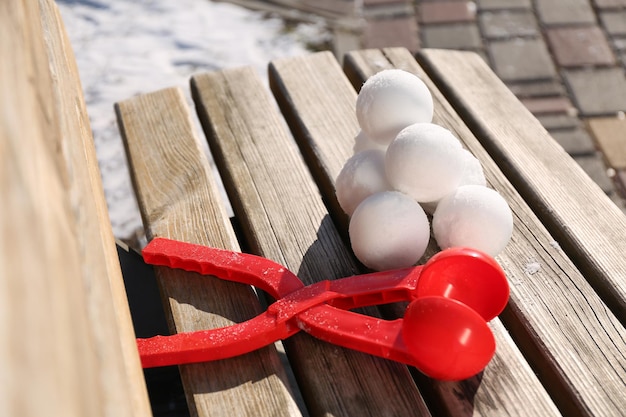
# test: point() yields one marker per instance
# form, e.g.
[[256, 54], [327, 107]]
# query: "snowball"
[[425, 161], [391, 100], [362, 143], [389, 230], [473, 216], [472, 175], [361, 176], [473, 171]]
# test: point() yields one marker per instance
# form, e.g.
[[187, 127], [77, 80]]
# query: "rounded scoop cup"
[[466, 275], [447, 339]]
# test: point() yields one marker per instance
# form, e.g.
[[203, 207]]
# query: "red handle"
[[452, 296], [257, 271]]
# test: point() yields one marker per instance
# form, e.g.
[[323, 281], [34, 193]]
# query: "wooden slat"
[[37, 284], [56, 304], [124, 388], [302, 87], [579, 215], [67, 350], [179, 200], [571, 338], [284, 219], [323, 109]]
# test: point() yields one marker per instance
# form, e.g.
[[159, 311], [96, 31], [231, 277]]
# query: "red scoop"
[[444, 332]]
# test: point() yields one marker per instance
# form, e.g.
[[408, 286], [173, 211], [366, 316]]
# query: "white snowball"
[[389, 230], [473, 216], [362, 143], [390, 101], [425, 161], [473, 172], [472, 175], [361, 176]]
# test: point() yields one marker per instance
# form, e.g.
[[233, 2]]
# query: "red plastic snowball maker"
[[444, 332]]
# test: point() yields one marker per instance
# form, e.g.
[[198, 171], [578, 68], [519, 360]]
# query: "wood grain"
[[284, 219], [326, 115], [178, 199], [65, 350], [298, 84], [120, 369], [571, 338], [586, 223]]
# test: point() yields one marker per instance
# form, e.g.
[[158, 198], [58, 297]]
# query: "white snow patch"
[[532, 267], [128, 47]]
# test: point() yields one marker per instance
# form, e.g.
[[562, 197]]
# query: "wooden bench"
[[67, 339], [69, 351]]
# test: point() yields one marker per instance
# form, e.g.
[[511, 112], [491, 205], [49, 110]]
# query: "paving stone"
[[595, 168], [447, 12], [401, 31], [614, 22], [619, 44], [339, 7], [451, 36], [599, 91], [385, 9], [503, 4], [537, 89], [575, 141], [522, 59], [610, 135], [608, 4], [508, 24], [553, 122], [367, 3], [555, 12], [546, 105], [578, 46]]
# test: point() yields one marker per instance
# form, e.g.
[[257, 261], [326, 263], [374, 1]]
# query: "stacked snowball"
[[404, 166]]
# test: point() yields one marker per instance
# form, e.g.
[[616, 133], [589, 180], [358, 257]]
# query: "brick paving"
[[580, 46], [564, 59], [507, 24], [560, 12], [597, 91], [610, 134], [521, 59]]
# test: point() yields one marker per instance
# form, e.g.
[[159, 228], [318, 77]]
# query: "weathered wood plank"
[[551, 311], [302, 87], [579, 215], [179, 199], [54, 237], [120, 369], [276, 200], [319, 111], [37, 295]]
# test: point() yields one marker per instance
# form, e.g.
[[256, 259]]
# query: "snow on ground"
[[127, 47]]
